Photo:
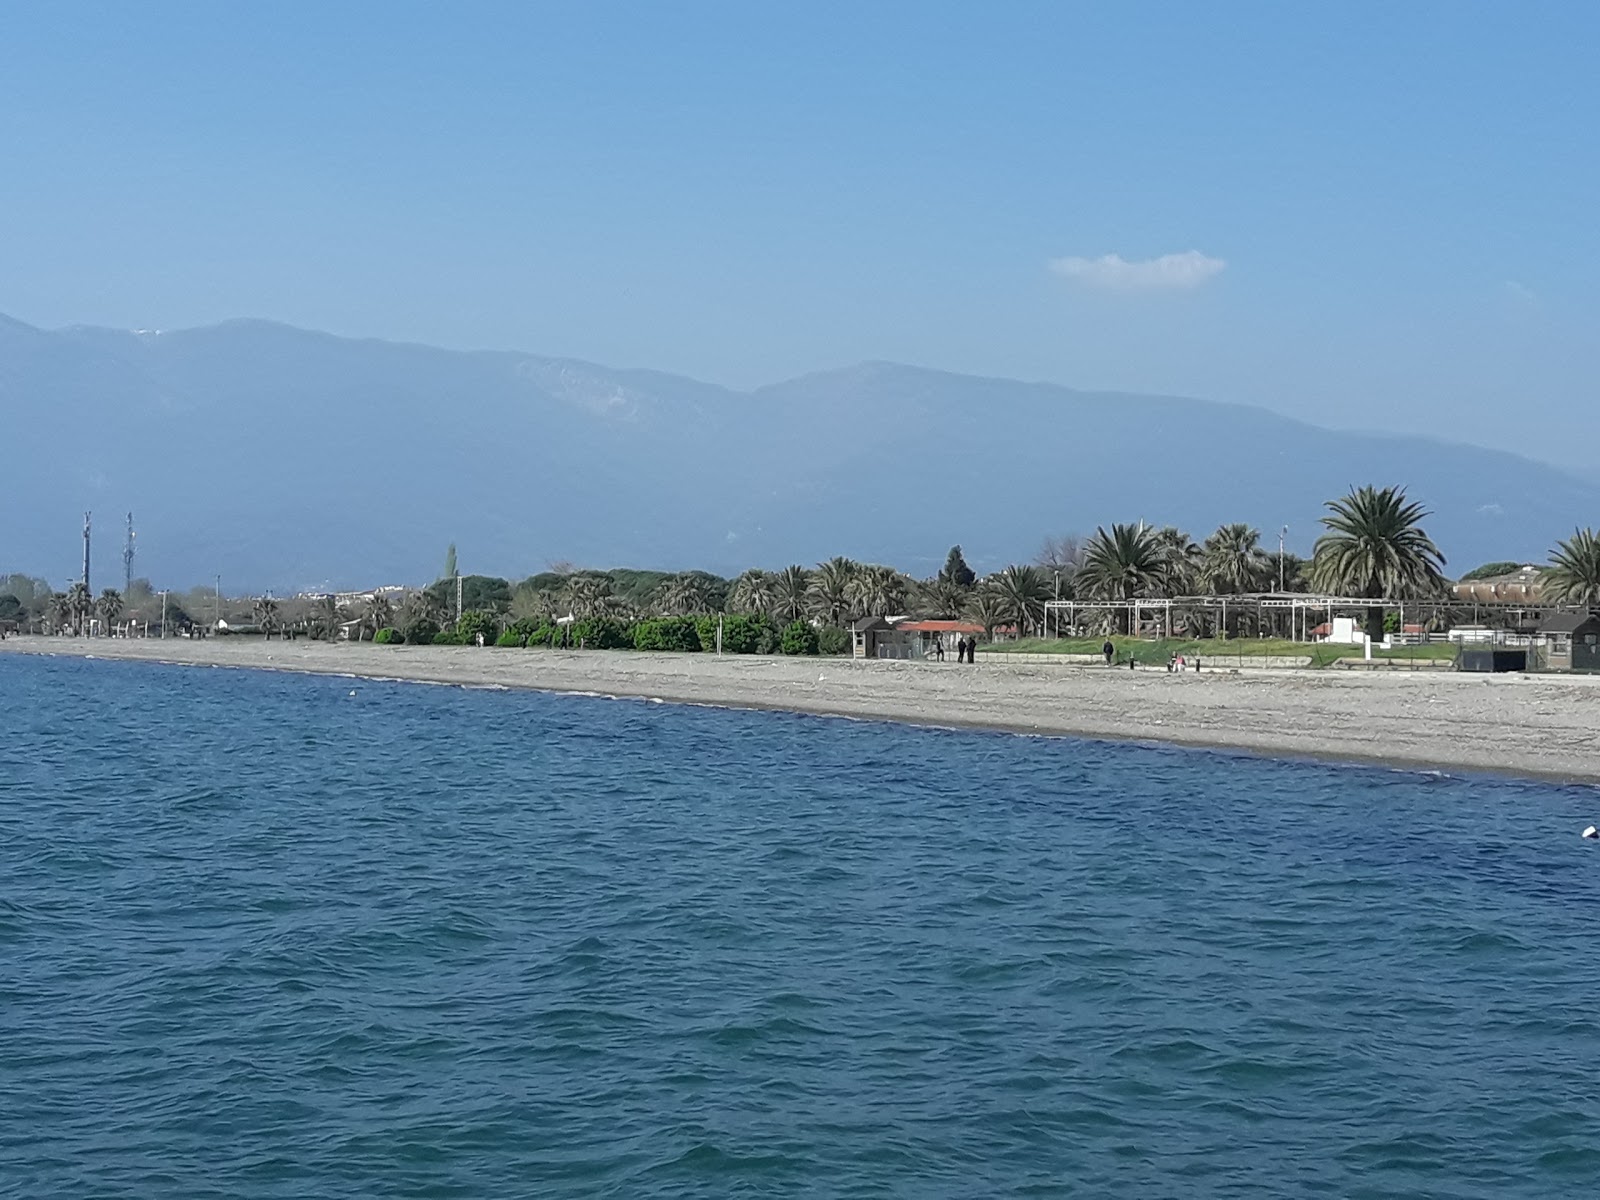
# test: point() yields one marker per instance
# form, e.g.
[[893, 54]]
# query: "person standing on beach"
[[1109, 650]]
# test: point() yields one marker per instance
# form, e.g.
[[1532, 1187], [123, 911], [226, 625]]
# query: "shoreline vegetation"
[[1524, 726]]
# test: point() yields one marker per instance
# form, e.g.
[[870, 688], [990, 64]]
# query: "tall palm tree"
[[1022, 592], [1574, 573], [791, 592], [589, 596], [753, 592], [79, 605], [875, 591], [1232, 561], [1123, 564], [830, 590], [1180, 561], [1376, 549], [988, 608], [380, 613], [683, 595], [266, 614], [109, 607], [60, 611], [940, 598]]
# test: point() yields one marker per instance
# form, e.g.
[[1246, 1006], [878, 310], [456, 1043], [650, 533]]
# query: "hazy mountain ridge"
[[281, 457]]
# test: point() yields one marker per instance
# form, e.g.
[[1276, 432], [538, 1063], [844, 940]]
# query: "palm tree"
[[791, 593], [940, 598], [1022, 592], [1376, 550], [109, 607], [79, 605], [1180, 560], [987, 608], [1232, 561], [589, 596], [683, 595], [876, 591], [1125, 564], [830, 590], [753, 592], [1574, 573], [60, 611], [380, 613], [266, 613]]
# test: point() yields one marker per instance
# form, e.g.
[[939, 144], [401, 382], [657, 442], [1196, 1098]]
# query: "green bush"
[[388, 637], [770, 639], [448, 637], [799, 638], [601, 633], [833, 640], [667, 633], [421, 632], [473, 623], [512, 639]]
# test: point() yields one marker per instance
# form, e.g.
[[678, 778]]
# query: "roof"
[[867, 624], [1567, 622], [940, 626]]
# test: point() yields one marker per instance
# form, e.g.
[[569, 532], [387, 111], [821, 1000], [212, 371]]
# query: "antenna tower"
[[127, 560]]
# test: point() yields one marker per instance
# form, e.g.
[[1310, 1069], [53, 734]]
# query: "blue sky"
[[1369, 215]]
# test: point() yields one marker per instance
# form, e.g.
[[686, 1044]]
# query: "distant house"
[[1571, 642], [890, 637]]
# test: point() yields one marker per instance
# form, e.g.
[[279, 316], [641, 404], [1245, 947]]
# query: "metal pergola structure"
[[1300, 607]]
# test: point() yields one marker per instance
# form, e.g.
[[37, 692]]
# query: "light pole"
[[163, 614], [1282, 533]]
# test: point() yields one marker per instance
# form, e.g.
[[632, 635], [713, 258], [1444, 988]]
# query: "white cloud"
[[1171, 271]]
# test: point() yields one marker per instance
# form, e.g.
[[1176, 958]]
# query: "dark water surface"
[[260, 937]]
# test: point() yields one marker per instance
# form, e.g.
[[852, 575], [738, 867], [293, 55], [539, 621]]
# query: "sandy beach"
[[1542, 726]]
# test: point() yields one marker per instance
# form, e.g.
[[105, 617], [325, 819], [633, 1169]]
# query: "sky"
[[1368, 215]]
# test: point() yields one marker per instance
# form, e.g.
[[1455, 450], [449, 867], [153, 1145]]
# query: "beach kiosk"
[[1571, 642]]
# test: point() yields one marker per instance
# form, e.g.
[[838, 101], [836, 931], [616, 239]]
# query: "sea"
[[274, 935]]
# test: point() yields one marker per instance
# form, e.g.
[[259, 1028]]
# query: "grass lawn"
[[1157, 650]]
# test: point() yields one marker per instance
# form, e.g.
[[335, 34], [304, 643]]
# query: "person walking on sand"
[[961, 649], [1109, 651], [938, 647]]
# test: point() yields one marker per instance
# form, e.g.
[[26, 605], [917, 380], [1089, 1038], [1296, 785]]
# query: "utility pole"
[[1282, 533], [86, 521], [163, 615], [127, 561], [458, 597], [218, 624]]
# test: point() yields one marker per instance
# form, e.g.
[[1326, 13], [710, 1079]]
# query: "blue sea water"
[[280, 936]]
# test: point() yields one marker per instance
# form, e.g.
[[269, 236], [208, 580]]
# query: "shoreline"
[[1540, 728]]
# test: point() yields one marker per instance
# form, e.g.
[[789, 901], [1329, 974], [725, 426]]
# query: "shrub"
[[512, 639], [770, 639], [601, 633], [473, 623], [799, 638], [448, 637], [421, 632], [543, 634], [388, 637], [668, 633], [833, 640]]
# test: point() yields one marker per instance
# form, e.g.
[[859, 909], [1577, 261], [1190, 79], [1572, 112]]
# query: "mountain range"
[[282, 458]]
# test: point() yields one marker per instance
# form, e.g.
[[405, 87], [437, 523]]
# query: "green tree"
[[1022, 592], [830, 590], [1490, 569], [1574, 574], [1126, 563], [988, 608], [940, 598], [266, 614], [799, 637], [12, 610], [684, 595], [790, 590], [955, 569], [1232, 561], [872, 591], [80, 605], [753, 592], [1375, 549], [1180, 561], [109, 607]]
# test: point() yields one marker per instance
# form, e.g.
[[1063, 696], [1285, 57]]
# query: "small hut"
[[1571, 642]]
